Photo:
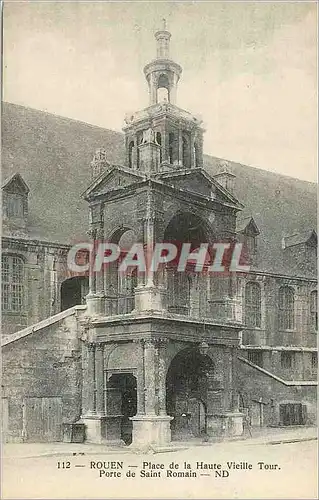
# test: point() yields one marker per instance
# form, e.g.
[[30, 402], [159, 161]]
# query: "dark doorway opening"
[[124, 384], [74, 291], [186, 393], [292, 414]]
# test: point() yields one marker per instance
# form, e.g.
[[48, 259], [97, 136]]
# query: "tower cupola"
[[162, 74], [162, 136]]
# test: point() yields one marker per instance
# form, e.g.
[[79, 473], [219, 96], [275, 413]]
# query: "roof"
[[309, 236], [247, 224], [16, 180], [53, 155]]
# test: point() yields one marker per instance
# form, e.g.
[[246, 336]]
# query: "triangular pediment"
[[15, 184], [313, 239], [247, 226], [198, 181], [115, 178]]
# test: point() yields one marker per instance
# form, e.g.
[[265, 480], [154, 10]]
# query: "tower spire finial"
[[162, 38]]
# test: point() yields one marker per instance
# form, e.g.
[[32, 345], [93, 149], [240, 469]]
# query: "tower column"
[[149, 377], [192, 149], [99, 379], [165, 145], [90, 379], [161, 378], [180, 145]]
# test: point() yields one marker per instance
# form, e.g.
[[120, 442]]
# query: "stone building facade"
[[150, 358]]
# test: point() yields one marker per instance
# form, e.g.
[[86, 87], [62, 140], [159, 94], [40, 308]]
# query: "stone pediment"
[[115, 178], [198, 181]]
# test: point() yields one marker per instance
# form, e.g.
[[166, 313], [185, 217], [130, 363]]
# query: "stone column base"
[[226, 424], [95, 304], [151, 430], [149, 298], [94, 428], [104, 429]]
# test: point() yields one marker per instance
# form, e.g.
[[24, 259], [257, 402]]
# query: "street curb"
[[282, 441], [154, 450]]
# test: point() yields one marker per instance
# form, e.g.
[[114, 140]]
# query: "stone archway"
[[187, 289], [187, 388]]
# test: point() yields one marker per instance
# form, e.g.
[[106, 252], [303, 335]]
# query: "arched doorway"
[[123, 398], [74, 291], [186, 393]]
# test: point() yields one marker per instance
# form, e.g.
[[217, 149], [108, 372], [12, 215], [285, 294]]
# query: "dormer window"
[[247, 232], [15, 199], [300, 250], [15, 205]]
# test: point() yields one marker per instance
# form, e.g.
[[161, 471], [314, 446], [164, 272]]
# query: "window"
[[15, 205], [12, 283], [314, 360], [251, 245], [130, 154], [253, 305], [255, 357], [286, 308], [314, 310], [287, 359]]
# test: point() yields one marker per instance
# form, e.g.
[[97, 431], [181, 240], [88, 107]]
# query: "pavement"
[[266, 436]]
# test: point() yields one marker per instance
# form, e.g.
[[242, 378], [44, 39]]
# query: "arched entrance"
[[186, 392], [119, 287], [123, 400], [186, 290], [74, 291]]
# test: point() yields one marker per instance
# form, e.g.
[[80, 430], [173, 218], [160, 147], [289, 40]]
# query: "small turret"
[[225, 177], [99, 163]]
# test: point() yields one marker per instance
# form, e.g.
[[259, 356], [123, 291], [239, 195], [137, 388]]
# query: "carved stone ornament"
[[148, 136], [100, 155]]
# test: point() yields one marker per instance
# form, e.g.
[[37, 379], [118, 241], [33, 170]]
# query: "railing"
[[120, 304], [221, 310]]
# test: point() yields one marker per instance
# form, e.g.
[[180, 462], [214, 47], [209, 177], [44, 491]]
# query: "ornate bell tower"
[[148, 329], [177, 135]]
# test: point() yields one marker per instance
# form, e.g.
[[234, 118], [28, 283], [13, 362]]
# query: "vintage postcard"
[[159, 249]]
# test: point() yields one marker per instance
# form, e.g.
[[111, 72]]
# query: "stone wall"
[[255, 386], [44, 364], [44, 271], [303, 334]]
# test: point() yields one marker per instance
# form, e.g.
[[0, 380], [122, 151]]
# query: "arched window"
[[314, 310], [159, 142], [253, 305], [162, 95], [286, 308], [12, 283], [163, 89], [171, 139], [130, 154], [185, 158], [195, 155]]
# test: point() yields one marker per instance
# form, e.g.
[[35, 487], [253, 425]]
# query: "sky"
[[249, 70]]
